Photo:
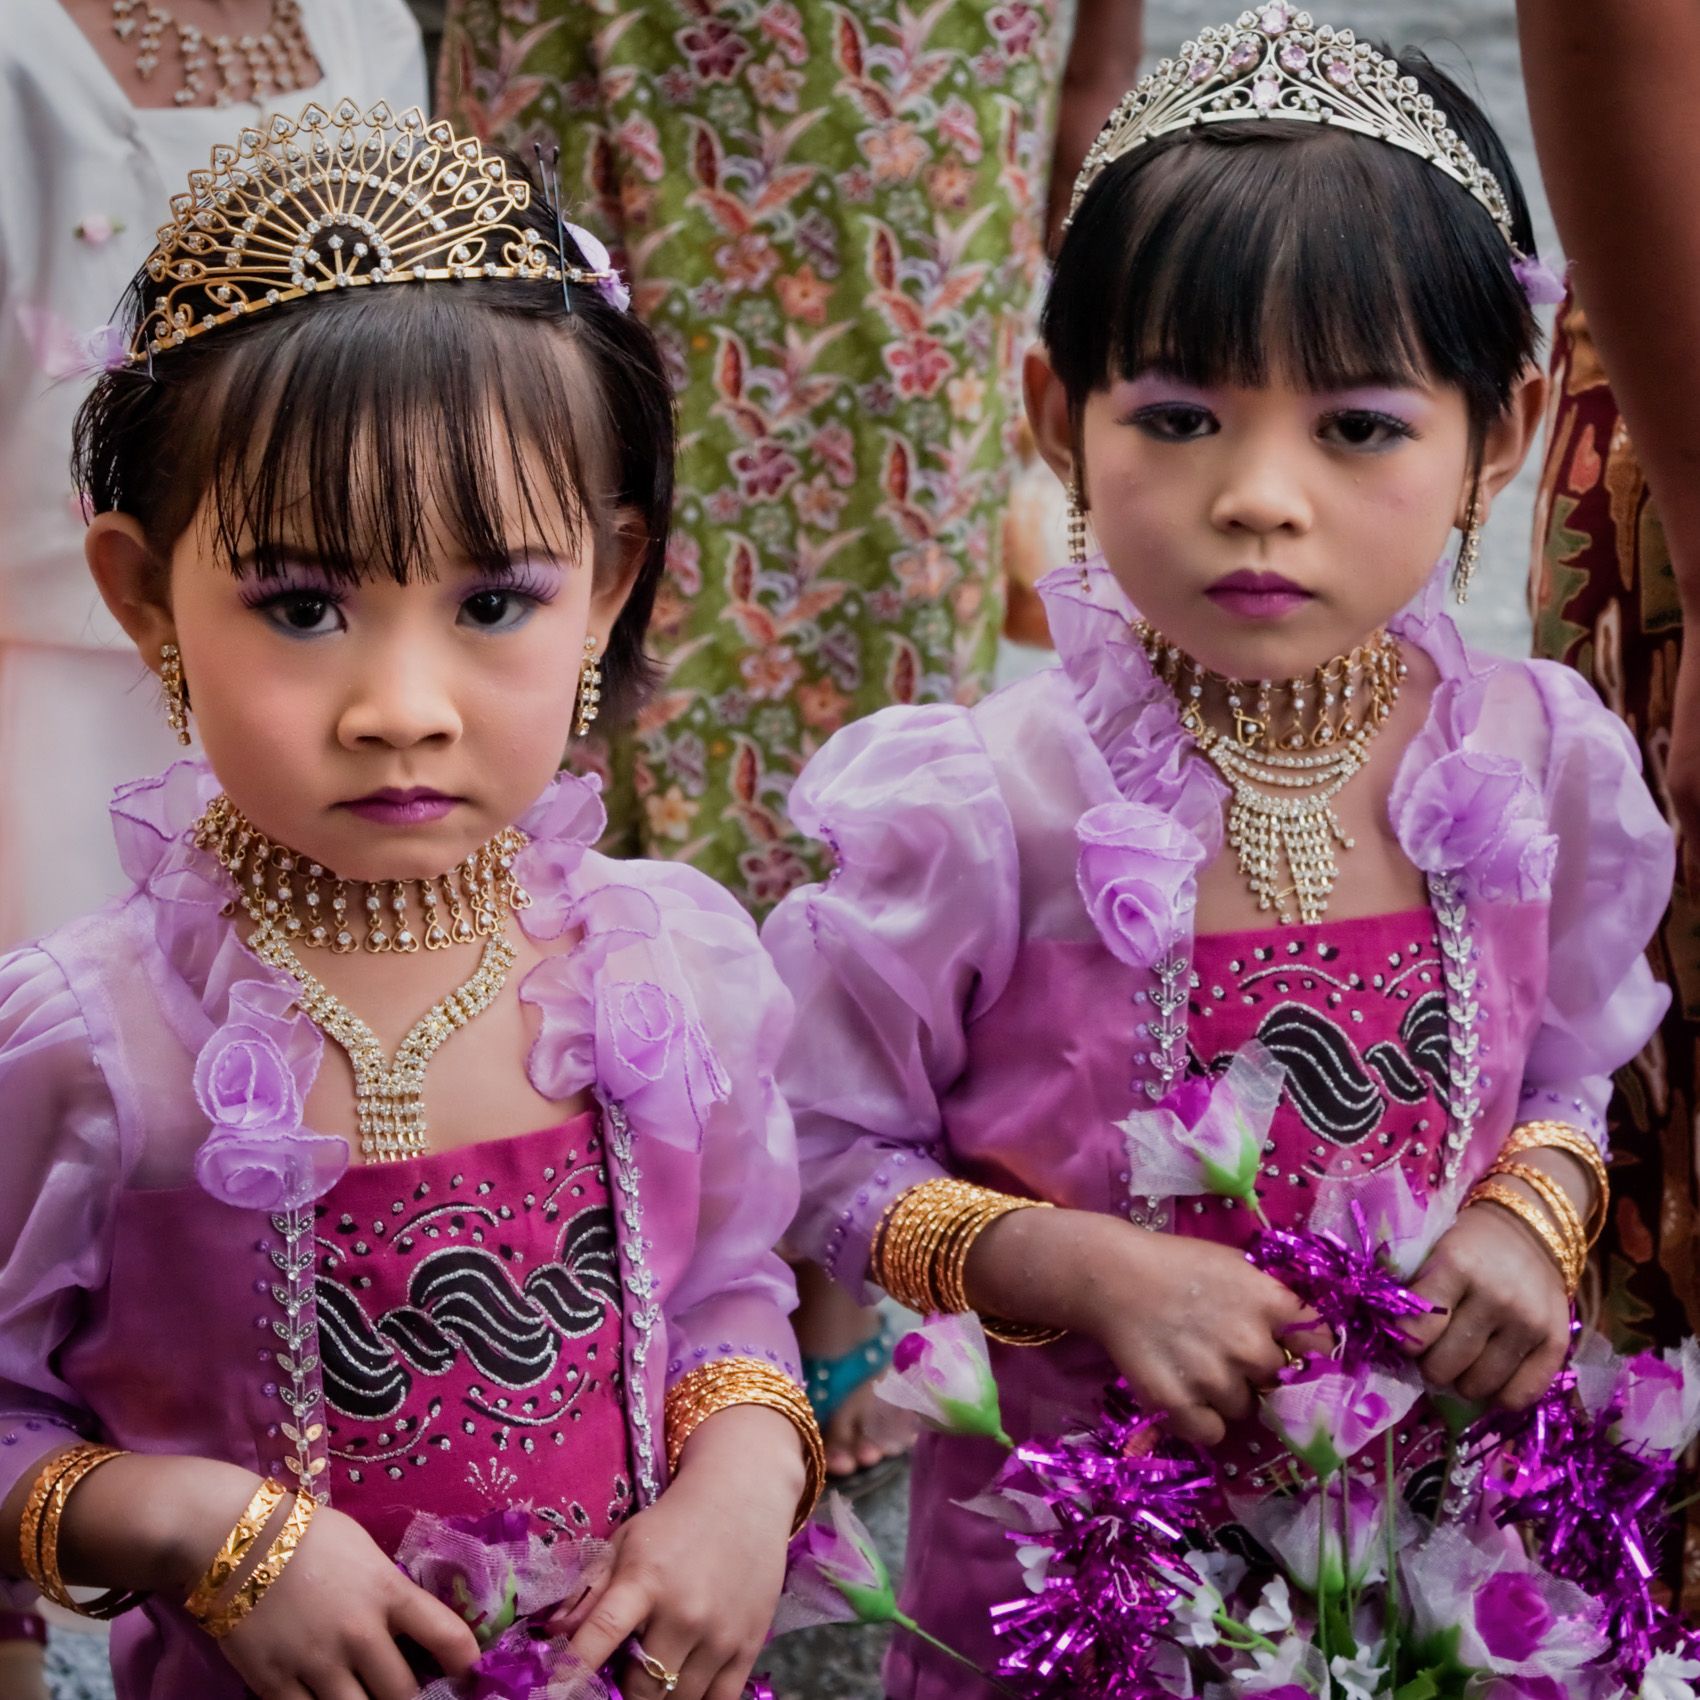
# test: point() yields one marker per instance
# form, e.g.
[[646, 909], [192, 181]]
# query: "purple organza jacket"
[[996, 973], [157, 1186]]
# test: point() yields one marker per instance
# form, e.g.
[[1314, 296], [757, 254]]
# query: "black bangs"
[[1228, 253], [375, 434], [383, 428]]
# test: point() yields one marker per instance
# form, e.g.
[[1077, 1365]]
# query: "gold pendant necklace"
[[1284, 779], [389, 1095]]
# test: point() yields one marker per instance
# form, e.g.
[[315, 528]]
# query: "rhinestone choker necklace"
[[389, 1103], [1292, 750]]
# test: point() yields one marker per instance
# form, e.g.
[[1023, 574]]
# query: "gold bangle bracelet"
[[39, 1530], [263, 1577], [922, 1243], [724, 1382], [1561, 1136], [1559, 1206], [1528, 1213], [268, 1496]]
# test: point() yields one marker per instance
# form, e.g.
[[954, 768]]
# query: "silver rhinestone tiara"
[[1276, 62]]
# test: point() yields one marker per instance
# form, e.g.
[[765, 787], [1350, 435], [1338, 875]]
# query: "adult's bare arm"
[[1103, 64], [1612, 92]]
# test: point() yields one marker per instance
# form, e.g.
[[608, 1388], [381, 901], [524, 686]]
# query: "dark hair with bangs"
[[1221, 251], [348, 426]]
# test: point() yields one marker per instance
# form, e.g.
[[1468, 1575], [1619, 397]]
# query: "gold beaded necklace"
[[389, 1102], [1292, 750]]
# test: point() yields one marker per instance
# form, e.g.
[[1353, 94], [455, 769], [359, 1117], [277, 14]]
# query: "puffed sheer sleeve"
[[736, 1295], [888, 961], [1611, 884], [58, 1180]]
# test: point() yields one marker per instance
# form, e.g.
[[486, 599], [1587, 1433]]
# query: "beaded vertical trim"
[[1463, 1017], [1166, 1059], [303, 1391], [644, 1313]]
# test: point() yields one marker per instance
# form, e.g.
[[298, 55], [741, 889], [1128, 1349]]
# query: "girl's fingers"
[[672, 1653], [1535, 1375], [1500, 1359], [338, 1685], [1198, 1424], [1463, 1340], [384, 1673], [1444, 1288], [614, 1617], [445, 1636]]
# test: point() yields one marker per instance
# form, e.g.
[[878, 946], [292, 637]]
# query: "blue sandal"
[[831, 1381]]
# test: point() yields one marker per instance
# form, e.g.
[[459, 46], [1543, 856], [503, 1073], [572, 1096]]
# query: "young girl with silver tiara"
[[1268, 808], [386, 1149]]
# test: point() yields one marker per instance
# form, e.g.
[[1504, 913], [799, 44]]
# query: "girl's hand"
[[328, 1626], [1506, 1325], [1193, 1327], [23, 1671], [696, 1577]]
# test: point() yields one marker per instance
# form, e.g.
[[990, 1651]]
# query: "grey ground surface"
[[1478, 39]]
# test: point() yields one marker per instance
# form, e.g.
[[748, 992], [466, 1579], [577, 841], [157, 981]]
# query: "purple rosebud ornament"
[[1326, 1413], [942, 1371]]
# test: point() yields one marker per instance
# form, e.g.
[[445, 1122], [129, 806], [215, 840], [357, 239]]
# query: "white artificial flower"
[[1668, 1677], [1273, 1613]]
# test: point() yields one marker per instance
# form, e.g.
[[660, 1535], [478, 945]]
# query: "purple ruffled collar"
[[256, 1054], [1458, 807]]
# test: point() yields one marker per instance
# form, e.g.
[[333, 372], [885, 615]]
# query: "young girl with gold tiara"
[[1269, 809], [387, 1149]]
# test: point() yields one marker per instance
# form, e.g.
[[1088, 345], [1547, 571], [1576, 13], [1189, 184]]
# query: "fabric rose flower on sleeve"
[[1479, 816], [942, 1371], [1138, 875], [251, 1078], [1207, 1135]]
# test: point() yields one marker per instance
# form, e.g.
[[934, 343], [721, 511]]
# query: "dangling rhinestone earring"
[[1469, 552], [175, 692], [1077, 530], [589, 688]]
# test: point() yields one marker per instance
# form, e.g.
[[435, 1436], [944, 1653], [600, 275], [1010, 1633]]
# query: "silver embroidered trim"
[[298, 1332], [1167, 1034], [1463, 1017], [645, 1314]]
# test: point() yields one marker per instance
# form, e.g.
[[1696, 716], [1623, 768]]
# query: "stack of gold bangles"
[[921, 1247], [1555, 1221], [210, 1604], [724, 1382], [44, 1511]]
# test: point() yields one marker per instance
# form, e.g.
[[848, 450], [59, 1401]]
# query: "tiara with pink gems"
[[1276, 62]]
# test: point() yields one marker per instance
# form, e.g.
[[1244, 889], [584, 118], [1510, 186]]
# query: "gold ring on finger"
[[655, 1670]]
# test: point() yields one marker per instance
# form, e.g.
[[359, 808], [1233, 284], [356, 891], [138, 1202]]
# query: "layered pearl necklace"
[[274, 886], [1284, 778]]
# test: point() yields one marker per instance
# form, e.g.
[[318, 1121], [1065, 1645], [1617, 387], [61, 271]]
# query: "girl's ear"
[[615, 582], [1510, 437], [1047, 413], [131, 581]]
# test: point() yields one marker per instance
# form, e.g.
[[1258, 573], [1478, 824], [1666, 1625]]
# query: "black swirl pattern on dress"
[[461, 1300], [1424, 1033], [1402, 1080], [1335, 1094]]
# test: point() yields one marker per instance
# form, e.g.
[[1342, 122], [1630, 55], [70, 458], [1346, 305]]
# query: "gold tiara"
[[336, 200], [1275, 62]]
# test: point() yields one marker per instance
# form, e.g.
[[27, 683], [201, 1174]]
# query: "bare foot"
[[863, 1430]]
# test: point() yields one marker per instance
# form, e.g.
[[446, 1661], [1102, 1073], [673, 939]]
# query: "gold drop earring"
[[1077, 530], [174, 691], [1469, 551], [589, 688]]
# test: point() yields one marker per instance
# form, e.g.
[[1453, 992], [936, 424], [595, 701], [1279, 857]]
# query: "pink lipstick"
[[1257, 596], [391, 807]]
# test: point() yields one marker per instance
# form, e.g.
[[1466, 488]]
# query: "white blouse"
[[74, 151]]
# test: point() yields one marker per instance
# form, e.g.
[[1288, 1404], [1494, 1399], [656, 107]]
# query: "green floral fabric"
[[832, 217]]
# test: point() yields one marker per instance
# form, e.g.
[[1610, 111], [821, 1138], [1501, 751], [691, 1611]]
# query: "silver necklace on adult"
[[228, 67]]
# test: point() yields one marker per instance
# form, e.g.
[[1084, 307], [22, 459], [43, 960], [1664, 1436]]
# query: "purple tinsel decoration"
[[1595, 1508], [1355, 1297], [1127, 1507]]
